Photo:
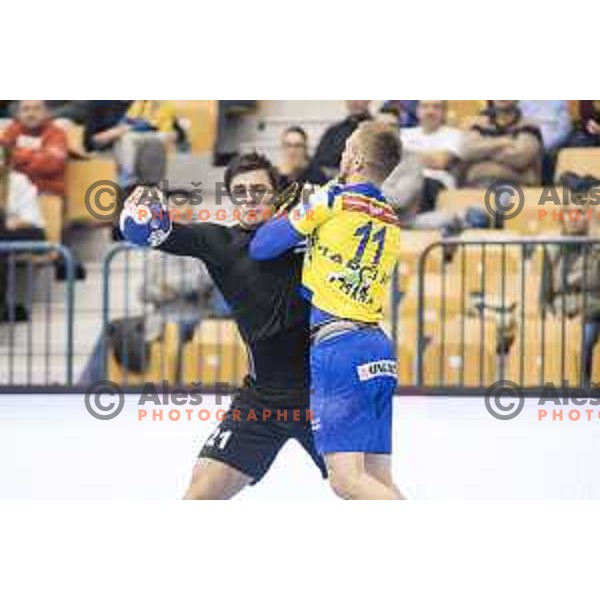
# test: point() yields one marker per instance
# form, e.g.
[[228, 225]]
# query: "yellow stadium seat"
[[540, 343], [406, 363], [494, 269], [574, 110], [458, 201], [98, 178], [442, 296], [461, 113], [595, 376], [162, 364], [456, 364], [413, 244], [200, 120], [216, 354], [583, 161]]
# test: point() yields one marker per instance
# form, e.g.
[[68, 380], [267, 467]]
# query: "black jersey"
[[272, 317]]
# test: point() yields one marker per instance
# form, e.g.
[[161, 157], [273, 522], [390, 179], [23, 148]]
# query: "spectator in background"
[[96, 116], [36, 147], [502, 147], [330, 148], [20, 220], [391, 114], [571, 282], [147, 122], [296, 166], [554, 122], [588, 126], [437, 146]]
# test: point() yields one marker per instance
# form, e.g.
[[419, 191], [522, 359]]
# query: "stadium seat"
[[216, 354], [52, 211], [442, 296], [574, 110], [199, 118], [453, 363], [531, 219], [90, 175], [539, 343], [413, 244], [583, 161], [405, 354], [162, 364], [490, 269], [462, 113], [458, 201]]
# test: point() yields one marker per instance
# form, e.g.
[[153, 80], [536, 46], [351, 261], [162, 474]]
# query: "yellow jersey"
[[353, 246]]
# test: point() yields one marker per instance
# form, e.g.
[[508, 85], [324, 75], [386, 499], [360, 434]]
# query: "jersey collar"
[[365, 189]]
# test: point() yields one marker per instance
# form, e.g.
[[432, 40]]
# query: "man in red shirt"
[[36, 147]]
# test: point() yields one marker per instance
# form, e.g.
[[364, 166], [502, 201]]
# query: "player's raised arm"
[[145, 221], [284, 231]]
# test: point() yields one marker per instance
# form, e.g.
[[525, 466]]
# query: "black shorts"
[[253, 432]]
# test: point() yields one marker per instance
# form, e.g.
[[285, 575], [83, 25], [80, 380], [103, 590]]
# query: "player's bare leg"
[[379, 466], [350, 479], [215, 480]]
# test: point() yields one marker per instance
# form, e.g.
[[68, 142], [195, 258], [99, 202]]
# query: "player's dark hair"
[[244, 163], [296, 129]]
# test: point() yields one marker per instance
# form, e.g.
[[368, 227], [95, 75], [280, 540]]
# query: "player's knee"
[[346, 484], [213, 480], [207, 488], [199, 491]]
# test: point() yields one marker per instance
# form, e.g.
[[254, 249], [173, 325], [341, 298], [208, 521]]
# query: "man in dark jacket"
[[330, 148]]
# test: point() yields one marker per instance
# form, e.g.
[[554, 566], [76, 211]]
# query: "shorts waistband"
[[324, 331]]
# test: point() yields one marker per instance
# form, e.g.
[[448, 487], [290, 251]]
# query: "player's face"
[[32, 113], [431, 114], [253, 195], [349, 162]]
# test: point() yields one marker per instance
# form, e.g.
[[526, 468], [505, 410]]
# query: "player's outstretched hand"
[[145, 217]]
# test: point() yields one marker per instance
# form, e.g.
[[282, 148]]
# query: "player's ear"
[[359, 161]]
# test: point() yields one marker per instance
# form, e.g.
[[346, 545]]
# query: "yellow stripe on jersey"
[[354, 242]]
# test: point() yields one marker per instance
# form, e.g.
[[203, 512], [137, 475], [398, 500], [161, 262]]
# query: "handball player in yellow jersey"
[[353, 244]]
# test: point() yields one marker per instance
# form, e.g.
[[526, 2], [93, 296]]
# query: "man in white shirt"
[[437, 146], [21, 220]]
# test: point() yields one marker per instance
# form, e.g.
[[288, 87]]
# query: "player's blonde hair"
[[382, 148]]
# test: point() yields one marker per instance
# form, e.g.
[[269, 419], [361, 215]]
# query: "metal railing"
[[522, 309], [36, 327], [480, 310], [163, 321]]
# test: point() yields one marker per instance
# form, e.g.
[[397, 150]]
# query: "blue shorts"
[[353, 380]]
